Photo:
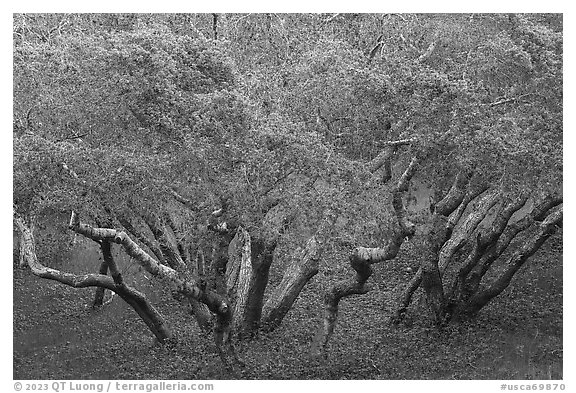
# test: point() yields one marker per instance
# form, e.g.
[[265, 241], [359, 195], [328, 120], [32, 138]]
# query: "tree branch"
[[424, 56], [544, 230], [361, 260]]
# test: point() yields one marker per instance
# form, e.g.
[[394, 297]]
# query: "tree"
[[200, 143], [143, 135], [473, 120]]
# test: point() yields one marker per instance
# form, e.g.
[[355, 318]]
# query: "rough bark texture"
[[455, 195], [451, 278], [239, 279], [448, 207], [481, 243], [248, 270], [439, 243], [466, 228], [543, 231], [503, 240], [296, 276]]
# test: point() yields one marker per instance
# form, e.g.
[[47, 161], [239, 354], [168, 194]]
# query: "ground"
[[518, 336]]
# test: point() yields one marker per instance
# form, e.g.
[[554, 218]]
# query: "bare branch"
[[424, 56], [508, 100], [331, 18]]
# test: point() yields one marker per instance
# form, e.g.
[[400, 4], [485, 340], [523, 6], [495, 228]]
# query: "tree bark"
[[198, 309], [538, 213], [186, 286], [465, 230], [246, 280], [296, 276], [455, 195], [248, 271], [543, 231], [484, 240], [239, 278], [134, 298], [129, 225], [99, 293], [438, 247]]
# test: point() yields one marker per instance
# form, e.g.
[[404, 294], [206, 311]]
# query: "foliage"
[[113, 111]]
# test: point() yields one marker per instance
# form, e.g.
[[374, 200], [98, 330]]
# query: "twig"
[[331, 18], [506, 101], [424, 56], [239, 19]]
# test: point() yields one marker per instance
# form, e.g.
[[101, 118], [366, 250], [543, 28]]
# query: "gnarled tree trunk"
[[296, 276], [361, 260], [466, 250]]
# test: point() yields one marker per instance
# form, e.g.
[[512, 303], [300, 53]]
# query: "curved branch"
[[215, 302], [465, 230], [455, 195], [163, 272], [483, 241], [361, 260], [137, 300], [38, 269], [442, 233]]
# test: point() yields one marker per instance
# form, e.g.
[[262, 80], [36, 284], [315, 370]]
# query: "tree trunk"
[[135, 299], [501, 243], [248, 270], [198, 309], [359, 261], [443, 238], [458, 292], [246, 279], [455, 292], [544, 230], [296, 277], [99, 293], [184, 285], [432, 285], [466, 228]]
